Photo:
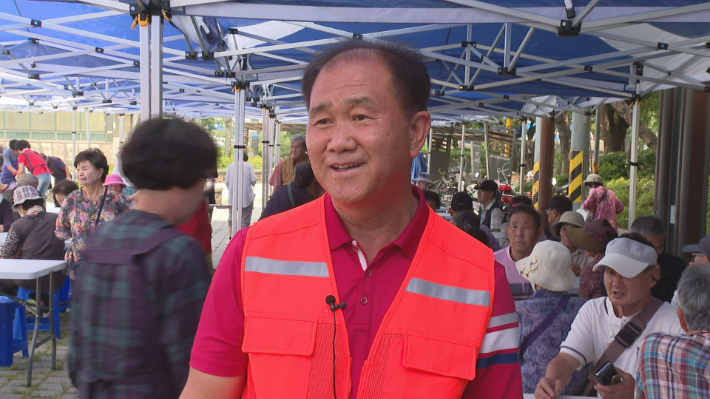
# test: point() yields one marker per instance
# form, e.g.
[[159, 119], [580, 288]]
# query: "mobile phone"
[[605, 374]]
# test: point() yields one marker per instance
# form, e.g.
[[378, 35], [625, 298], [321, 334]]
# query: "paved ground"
[[48, 383]]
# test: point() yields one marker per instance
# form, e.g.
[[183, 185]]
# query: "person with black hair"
[[291, 195], [469, 222], [62, 189], [432, 199], [9, 165], [462, 201], [31, 161], [84, 209], [32, 237], [141, 282]]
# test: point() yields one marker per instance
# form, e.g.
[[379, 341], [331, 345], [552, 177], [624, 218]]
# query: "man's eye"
[[360, 117]]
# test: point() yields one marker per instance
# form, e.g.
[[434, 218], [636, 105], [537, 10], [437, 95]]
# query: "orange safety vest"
[[426, 346]]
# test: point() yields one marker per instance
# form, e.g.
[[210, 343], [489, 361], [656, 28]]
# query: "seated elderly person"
[[6, 216], [32, 237], [62, 189], [678, 366], [593, 239], [523, 232], [468, 221], [567, 221], [546, 318], [612, 328]]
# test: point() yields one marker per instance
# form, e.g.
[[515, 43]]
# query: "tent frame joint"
[[506, 71], [568, 29]]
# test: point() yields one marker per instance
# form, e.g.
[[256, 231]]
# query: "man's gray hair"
[[648, 226], [694, 297], [296, 137], [27, 179]]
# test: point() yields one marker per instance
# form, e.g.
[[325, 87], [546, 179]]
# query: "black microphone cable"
[[330, 300]]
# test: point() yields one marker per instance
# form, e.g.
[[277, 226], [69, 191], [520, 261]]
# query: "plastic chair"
[[9, 344], [65, 296], [23, 293]]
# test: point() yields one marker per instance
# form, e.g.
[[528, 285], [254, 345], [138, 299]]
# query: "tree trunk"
[[614, 129], [647, 135], [562, 124]]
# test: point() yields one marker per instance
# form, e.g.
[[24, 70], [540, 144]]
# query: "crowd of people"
[[350, 285]]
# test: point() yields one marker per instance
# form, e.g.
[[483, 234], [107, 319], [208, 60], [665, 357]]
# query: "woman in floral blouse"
[[84, 209]]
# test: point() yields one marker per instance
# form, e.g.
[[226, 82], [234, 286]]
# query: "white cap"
[[627, 257]]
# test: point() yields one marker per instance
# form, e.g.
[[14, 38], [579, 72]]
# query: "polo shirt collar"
[[408, 241]]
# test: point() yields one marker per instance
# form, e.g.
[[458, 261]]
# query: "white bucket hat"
[[548, 266]]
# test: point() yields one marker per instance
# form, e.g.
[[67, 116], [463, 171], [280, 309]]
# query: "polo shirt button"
[[368, 273], [363, 301]]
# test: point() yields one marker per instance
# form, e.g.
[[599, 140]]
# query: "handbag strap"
[[559, 308], [101, 206]]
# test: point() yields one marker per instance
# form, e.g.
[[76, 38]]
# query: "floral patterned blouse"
[[591, 284], [604, 204], [77, 218]]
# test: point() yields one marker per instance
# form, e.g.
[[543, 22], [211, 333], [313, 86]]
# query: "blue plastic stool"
[[65, 295], [23, 293], [8, 343]]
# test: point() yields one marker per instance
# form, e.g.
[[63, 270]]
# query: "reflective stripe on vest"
[[286, 268], [448, 293], [426, 346]]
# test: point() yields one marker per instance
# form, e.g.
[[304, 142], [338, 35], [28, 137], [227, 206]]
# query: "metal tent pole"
[[88, 130], [145, 85], [428, 152], [73, 141], [238, 177], [580, 141], [277, 145], [633, 162], [597, 137], [156, 67], [488, 157], [523, 152], [463, 156], [264, 156]]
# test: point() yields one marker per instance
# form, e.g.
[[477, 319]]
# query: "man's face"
[[298, 149], [553, 216], [658, 242], [624, 291], [485, 196], [522, 233], [359, 141]]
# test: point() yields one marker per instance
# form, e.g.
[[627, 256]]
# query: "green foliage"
[[256, 162], [649, 110], [557, 165], [645, 193], [614, 165], [562, 180], [222, 159]]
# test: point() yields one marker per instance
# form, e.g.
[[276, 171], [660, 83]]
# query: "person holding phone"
[[628, 314]]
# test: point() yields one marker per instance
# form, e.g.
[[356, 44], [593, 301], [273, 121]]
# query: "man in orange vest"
[[364, 292]]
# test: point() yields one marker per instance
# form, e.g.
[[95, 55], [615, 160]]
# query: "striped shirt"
[[374, 282], [674, 367]]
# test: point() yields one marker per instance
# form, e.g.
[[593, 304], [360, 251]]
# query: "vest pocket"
[[280, 353], [431, 368]]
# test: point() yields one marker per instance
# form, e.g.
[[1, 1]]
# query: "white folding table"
[[34, 269]]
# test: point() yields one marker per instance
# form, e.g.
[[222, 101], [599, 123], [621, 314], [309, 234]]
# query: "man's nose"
[[341, 138]]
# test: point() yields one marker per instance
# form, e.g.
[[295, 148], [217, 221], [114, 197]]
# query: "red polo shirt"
[[368, 294]]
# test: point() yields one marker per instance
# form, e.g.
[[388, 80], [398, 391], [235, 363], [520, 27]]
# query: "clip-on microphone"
[[330, 300]]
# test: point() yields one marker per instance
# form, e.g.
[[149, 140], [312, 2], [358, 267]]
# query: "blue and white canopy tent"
[[511, 58]]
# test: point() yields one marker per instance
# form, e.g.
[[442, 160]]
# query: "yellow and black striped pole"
[[575, 176], [536, 185]]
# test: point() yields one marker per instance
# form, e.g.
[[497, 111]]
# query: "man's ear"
[[655, 275], [419, 124]]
